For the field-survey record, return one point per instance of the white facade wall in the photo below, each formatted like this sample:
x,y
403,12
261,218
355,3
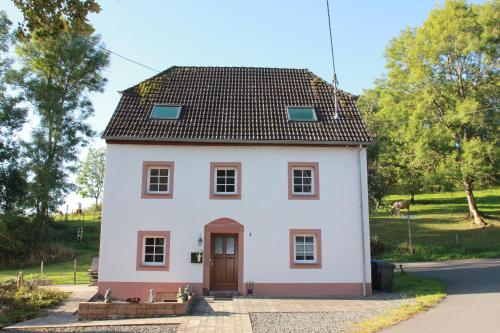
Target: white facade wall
x,y
264,209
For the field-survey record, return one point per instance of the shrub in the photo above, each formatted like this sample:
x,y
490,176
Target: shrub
x,y
25,241
25,303
376,246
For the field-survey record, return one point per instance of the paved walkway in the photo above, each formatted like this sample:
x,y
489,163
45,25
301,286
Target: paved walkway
x,y
473,302
211,315
65,313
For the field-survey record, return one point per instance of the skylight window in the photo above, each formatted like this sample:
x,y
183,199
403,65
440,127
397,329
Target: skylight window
x,y
302,114
166,112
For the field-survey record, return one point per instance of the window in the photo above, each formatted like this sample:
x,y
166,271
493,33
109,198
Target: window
x,y
153,251
166,112
225,180
157,179
303,180
302,114
305,248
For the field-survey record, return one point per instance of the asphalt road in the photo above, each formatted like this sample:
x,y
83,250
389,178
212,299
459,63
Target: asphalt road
x,y
473,301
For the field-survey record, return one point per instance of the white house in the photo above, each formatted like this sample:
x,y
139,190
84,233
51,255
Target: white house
x,y
230,179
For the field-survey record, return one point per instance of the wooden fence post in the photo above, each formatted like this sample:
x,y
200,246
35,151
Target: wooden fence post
x,y
74,271
41,270
409,232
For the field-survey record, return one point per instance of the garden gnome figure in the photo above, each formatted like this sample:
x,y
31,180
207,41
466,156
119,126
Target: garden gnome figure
x,y
151,296
107,296
189,291
181,295
20,280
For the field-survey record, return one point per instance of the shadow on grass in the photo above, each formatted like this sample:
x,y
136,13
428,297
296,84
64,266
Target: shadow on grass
x,y
488,204
436,239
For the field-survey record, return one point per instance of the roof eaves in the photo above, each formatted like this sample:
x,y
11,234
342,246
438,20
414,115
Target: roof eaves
x,y
256,142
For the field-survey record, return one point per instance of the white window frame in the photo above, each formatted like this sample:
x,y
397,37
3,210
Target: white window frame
x,y
148,189
144,263
315,245
313,185
236,175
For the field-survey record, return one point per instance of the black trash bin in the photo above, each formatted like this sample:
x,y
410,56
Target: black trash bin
x,y
385,276
375,274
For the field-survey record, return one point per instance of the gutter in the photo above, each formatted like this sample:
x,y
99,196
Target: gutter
x,y
127,140
362,207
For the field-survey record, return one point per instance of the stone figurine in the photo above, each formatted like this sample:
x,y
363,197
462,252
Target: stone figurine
x,y
151,296
107,296
189,291
20,280
181,295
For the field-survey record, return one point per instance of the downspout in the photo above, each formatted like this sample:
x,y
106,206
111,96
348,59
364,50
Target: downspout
x,y
362,207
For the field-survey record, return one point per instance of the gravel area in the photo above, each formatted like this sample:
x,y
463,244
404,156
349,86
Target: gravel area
x,y
98,329
307,321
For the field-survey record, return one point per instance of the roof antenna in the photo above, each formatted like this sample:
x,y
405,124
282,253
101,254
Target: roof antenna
x,y
334,79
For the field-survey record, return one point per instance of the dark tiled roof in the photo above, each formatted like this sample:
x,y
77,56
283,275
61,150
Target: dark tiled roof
x,y
236,105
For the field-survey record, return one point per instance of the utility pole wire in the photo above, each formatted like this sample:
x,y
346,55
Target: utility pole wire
x,y
335,99
128,59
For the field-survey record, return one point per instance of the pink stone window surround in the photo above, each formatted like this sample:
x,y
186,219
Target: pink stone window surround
x,y
149,165
226,178
310,173
140,264
298,264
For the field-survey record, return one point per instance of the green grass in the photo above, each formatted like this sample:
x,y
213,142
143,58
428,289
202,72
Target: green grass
x,y
427,292
62,272
441,218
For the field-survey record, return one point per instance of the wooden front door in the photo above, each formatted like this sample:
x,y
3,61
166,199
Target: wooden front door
x,y
224,262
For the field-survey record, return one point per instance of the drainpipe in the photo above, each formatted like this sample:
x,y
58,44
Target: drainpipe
x,y
362,207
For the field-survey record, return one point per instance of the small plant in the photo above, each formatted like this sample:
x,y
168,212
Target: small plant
x,y
25,303
376,246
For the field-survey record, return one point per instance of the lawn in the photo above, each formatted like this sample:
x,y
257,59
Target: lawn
x,y
440,229
427,292
62,272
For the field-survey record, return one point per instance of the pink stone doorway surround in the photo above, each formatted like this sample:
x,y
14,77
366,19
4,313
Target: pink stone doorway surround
x,y
223,226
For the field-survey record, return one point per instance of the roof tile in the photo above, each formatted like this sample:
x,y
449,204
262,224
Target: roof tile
x,y
236,104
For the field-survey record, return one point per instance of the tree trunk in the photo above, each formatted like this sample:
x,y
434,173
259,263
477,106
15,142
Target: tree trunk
x,y
95,209
412,200
474,212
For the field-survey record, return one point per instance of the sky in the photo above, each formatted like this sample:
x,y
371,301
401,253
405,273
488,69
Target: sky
x,y
253,33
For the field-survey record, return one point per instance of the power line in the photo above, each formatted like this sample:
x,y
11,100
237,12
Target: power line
x,y
128,59
333,61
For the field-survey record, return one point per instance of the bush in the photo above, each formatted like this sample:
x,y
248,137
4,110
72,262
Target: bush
x,y
376,246
25,241
25,303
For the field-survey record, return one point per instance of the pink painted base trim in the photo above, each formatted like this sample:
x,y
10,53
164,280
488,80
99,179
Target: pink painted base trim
x,y
310,289
124,290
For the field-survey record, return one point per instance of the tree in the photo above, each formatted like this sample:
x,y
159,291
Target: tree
x,y
441,97
12,118
51,18
379,173
56,77
91,175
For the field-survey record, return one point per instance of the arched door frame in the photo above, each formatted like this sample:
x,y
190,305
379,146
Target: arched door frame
x,y
223,226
